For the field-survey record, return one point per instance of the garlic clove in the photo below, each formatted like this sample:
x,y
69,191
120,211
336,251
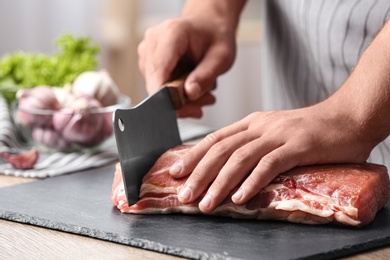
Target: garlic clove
x,y
22,161
98,85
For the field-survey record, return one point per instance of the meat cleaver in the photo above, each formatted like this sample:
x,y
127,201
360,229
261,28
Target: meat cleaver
x,y
145,132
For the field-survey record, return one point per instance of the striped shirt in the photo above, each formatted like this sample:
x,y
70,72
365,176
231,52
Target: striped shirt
x,y
311,46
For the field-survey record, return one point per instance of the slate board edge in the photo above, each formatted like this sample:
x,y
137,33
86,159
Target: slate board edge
x,y
158,247
109,236
349,250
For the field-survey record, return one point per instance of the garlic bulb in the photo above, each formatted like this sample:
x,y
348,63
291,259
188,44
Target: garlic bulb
x,y
64,95
98,85
78,123
49,138
38,98
105,131
72,116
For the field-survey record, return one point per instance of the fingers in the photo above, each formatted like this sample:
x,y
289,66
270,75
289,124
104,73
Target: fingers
x,y
240,162
194,108
187,164
268,168
262,161
216,61
247,159
233,155
249,154
215,150
207,169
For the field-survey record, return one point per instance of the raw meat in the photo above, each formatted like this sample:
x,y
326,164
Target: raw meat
x,y
349,194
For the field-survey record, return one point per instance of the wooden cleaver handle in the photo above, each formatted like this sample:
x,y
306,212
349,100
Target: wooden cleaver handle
x,y
176,84
176,91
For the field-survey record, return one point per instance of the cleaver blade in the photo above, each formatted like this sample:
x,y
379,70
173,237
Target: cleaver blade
x,y
145,132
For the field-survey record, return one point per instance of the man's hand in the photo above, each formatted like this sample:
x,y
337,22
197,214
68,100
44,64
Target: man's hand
x,y
205,35
249,154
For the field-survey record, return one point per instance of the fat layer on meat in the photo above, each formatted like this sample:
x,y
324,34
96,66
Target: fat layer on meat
x,y
348,194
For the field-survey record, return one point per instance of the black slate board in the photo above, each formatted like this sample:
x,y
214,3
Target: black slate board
x,y
80,203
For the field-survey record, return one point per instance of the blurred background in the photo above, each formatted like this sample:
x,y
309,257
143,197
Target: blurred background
x,y
118,26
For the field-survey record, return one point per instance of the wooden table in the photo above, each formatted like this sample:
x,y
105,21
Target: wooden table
x,y
22,241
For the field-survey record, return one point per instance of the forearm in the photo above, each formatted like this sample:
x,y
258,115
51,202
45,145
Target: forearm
x,y
226,11
365,96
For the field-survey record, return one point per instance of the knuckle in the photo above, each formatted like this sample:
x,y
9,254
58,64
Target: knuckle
x,y
216,187
173,24
156,71
212,138
218,191
257,180
206,77
252,184
163,70
240,156
226,53
254,115
219,148
169,22
149,33
270,162
198,179
151,69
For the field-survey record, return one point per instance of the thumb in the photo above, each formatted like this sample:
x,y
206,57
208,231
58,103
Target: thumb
x,y
203,78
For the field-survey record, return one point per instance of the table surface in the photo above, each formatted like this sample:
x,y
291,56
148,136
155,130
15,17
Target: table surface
x,y
20,241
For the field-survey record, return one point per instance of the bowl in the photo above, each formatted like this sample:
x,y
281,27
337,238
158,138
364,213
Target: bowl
x,y
67,130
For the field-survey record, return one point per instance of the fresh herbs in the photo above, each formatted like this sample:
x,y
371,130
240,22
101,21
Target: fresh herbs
x,y
27,70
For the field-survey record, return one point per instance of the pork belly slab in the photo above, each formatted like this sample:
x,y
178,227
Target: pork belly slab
x,y
348,194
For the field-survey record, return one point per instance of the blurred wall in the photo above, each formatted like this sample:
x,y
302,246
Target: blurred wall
x,y
118,26
33,25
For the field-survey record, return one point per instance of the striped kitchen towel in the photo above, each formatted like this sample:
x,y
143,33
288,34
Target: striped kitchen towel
x,y
58,163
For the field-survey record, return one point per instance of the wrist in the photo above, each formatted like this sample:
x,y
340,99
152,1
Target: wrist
x,y
354,115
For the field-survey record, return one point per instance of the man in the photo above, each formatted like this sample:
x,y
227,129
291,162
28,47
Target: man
x,y
326,77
